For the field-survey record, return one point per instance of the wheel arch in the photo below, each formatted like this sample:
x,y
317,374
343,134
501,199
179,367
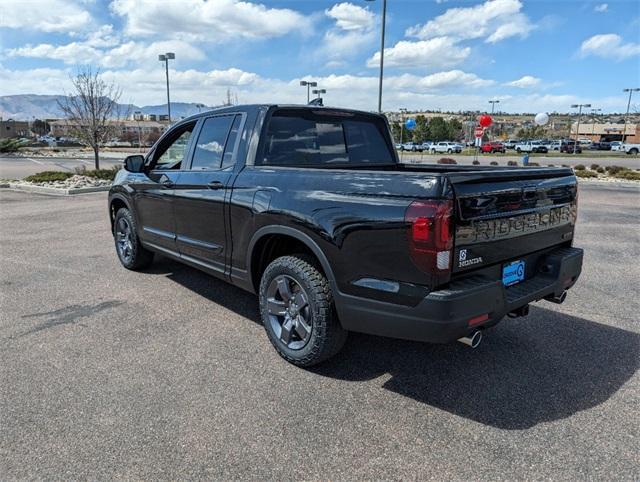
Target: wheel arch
x,y
269,234
117,202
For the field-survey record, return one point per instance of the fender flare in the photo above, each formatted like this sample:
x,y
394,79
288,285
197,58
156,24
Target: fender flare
x,y
300,236
120,197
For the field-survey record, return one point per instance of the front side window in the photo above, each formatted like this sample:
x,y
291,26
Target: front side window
x,y
211,142
172,152
308,138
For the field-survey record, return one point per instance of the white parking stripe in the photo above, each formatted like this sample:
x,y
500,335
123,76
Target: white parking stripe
x,y
33,160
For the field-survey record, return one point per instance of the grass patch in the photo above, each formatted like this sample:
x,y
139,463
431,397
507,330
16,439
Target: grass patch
x,y
49,176
586,174
628,174
107,174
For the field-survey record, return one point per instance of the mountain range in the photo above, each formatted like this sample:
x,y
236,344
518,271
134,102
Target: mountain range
x,y
30,106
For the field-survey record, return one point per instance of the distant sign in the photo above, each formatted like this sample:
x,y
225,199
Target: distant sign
x,y
410,124
479,132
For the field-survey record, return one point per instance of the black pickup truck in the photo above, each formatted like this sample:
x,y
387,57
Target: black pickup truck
x,y
309,208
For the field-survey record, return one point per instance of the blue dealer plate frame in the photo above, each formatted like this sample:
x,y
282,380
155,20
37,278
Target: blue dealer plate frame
x,y
513,273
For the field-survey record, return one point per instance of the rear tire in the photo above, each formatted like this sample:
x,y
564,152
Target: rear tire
x,y
130,251
296,307
633,151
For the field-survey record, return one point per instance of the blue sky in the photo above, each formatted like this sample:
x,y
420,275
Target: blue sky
x,y
440,54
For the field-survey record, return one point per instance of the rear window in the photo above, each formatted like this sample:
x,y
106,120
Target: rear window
x,y
309,138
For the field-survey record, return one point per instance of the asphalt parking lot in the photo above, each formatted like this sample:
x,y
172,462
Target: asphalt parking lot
x,y
167,374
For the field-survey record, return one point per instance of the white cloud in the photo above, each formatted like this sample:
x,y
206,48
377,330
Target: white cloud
x,y
494,20
352,31
525,82
351,17
213,20
444,90
609,46
78,53
603,7
434,53
45,15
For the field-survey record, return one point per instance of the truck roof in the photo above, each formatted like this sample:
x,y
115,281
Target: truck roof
x,y
255,107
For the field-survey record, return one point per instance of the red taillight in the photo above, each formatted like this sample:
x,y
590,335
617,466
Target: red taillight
x,y
429,235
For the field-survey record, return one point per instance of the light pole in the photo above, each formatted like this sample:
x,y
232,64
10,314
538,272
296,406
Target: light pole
x,y
319,91
308,84
626,116
165,58
200,106
384,21
579,107
493,105
136,115
593,122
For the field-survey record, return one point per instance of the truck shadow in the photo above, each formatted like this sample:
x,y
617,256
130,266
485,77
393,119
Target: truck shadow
x,y
527,371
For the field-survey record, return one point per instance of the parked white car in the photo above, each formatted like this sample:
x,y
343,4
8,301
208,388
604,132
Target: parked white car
x,y
630,148
616,146
448,147
531,146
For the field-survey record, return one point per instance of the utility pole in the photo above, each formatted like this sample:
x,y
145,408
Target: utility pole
x,y
626,116
384,21
579,107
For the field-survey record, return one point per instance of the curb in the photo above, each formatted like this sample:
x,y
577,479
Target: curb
x,y
54,190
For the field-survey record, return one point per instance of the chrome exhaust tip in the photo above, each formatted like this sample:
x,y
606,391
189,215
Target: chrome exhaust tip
x,y
473,340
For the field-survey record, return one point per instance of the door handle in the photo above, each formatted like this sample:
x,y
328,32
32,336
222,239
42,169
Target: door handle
x,y
215,185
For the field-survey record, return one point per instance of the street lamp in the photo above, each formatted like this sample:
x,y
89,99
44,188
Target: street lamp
x,y
384,21
308,84
165,58
493,105
200,106
626,116
579,107
593,121
137,115
319,91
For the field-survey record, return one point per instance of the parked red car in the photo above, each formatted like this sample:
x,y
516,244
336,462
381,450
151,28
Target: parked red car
x,y
493,147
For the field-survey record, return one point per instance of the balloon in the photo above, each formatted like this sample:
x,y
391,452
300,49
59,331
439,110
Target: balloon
x,y
485,120
410,124
541,119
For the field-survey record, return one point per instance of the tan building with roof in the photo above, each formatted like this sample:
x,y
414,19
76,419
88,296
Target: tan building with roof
x,y
606,132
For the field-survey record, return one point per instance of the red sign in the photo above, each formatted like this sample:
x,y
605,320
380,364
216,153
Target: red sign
x,y
479,132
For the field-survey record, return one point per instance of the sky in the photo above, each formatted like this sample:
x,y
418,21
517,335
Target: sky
x,y
532,56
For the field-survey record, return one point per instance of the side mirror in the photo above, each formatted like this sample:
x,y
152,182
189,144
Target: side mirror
x,y
134,163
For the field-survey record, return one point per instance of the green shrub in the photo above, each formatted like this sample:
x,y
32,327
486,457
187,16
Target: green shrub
x,y
594,167
613,170
12,145
49,176
533,164
628,174
493,163
579,167
586,174
446,160
108,174
600,170
476,162
550,165
512,163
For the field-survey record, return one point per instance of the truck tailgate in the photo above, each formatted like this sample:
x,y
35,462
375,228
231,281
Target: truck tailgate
x,y
502,218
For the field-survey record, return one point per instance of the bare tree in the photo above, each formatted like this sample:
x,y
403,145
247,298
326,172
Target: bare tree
x,y
92,110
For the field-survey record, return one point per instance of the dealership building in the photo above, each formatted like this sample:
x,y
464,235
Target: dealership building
x,y
606,132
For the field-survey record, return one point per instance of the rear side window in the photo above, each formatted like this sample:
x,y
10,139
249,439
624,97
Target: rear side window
x,y
307,138
211,142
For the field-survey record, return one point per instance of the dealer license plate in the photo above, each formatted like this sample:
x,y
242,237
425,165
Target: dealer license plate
x,y
513,273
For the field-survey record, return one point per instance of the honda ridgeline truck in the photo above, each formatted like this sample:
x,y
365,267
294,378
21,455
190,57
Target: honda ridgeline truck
x,y
309,208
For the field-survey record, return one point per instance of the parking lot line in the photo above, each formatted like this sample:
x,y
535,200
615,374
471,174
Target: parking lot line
x,y
33,160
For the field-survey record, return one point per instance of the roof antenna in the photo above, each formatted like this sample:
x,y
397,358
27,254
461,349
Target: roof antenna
x,y
317,101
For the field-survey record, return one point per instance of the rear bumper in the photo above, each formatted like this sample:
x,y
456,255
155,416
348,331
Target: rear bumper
x,y
443,316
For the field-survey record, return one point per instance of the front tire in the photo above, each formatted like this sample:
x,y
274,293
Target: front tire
x,y
296,307
128,247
